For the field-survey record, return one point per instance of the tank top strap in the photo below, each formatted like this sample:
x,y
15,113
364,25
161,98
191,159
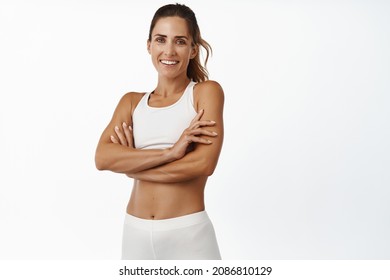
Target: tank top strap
x,y
144,100
190,94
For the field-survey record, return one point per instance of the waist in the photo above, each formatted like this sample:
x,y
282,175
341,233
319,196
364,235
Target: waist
x,y
160,201
167,224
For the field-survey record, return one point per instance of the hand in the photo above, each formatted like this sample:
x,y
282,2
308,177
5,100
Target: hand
x,y
125,137
192,134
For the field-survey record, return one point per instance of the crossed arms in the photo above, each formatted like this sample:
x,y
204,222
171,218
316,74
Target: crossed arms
x,y
116,152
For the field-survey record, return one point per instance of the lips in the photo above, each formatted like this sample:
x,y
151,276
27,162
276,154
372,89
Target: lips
x,y
169,62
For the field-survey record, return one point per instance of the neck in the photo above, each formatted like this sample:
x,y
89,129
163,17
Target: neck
x,y
166,87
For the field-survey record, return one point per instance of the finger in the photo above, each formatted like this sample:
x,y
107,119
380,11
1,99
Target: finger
x,y
131,140
121,137
198,124
195,139
200,131
197,117
114,140
128,134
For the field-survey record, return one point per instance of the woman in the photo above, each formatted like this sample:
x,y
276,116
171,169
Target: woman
x,y
169,142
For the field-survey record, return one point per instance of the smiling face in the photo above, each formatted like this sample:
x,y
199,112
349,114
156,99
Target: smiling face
x,y
171,47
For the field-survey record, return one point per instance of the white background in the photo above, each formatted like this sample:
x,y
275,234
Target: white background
x,y
304,171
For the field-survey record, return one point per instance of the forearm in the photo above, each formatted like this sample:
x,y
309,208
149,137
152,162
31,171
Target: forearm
x,y
122,159
166,174
191,166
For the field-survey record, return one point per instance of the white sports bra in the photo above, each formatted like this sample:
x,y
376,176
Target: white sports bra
x,y
161,127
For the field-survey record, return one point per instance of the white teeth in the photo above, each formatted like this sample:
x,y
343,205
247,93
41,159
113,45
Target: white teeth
x,y
169,62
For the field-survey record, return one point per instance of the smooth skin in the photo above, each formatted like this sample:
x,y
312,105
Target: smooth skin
x,y
167,182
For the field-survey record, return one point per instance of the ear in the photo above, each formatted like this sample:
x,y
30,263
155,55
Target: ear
x,y
194,51
148,46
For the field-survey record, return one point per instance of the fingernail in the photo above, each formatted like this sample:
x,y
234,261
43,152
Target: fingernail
x,y
215,133
130,127
212,121
112,137
209,141
124,124
116,128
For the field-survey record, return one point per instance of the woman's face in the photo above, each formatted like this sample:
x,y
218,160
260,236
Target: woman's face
x,y
171,47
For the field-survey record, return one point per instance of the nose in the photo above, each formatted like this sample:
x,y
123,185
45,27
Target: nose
x,y
170,49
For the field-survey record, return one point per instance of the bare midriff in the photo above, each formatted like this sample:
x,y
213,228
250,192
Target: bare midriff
x,y
150,200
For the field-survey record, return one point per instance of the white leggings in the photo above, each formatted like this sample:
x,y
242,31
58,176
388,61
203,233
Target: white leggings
x,y
189,237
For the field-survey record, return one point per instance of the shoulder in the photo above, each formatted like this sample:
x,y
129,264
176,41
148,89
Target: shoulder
x,y
208,89
128,102
209,86
131,97
208,93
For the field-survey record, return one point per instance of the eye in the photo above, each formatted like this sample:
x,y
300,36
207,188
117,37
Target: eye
x,y
181,42
160,40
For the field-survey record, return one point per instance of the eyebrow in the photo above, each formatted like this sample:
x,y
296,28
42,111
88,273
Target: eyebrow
x,y
165,36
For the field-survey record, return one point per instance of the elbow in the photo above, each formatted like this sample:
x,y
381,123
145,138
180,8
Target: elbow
x,y
208,169
202,167
100,161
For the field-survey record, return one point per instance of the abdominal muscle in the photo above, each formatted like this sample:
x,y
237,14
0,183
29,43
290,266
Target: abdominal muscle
x,y
150,200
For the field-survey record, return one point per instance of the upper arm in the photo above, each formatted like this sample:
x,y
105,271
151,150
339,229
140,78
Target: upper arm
x,y
210,97
122,113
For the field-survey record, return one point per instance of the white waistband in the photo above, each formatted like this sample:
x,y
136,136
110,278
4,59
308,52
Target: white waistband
x,y
167,224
